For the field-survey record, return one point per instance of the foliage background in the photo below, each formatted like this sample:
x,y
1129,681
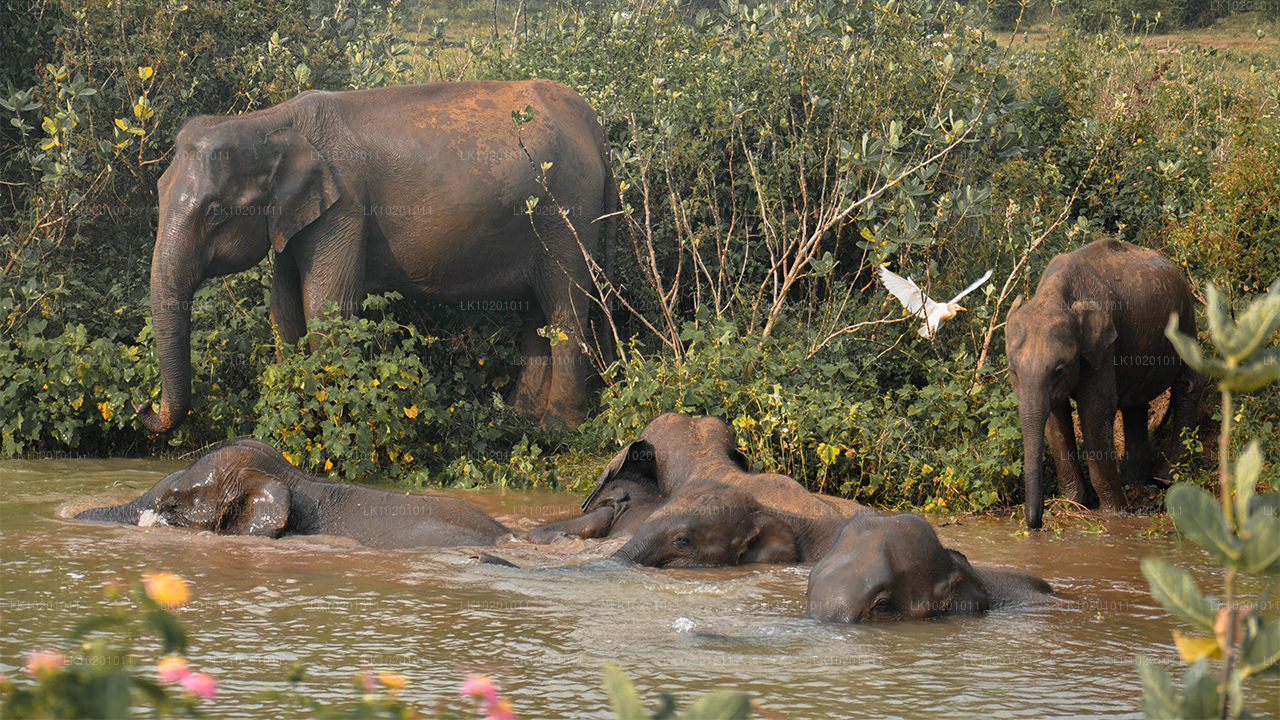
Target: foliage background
x,y
746,139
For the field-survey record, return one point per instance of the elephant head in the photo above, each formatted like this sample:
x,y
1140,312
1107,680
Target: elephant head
x,y
225,498
892,568
710,524
234,189
1047,343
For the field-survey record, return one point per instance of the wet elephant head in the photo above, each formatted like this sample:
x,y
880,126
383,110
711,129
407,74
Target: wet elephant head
x,y
885,568
209,495
708,525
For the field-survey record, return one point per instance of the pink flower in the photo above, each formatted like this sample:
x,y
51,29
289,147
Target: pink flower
x,y
367,680
480,687
500,709
40,662
202,685
172,669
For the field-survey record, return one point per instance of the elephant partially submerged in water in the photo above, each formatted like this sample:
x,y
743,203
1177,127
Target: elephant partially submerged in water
x,y
246,487
676,452
892,567
688,498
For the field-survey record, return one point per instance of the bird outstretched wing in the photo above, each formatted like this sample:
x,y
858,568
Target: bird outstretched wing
x,y
977,284
907,292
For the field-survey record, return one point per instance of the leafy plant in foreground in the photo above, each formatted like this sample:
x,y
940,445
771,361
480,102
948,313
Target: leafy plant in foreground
x,y
1241,532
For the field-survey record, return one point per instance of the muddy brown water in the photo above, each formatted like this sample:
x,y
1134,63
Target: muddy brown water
x,y
435,616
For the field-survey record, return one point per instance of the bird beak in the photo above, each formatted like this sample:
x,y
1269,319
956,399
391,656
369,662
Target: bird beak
x,y
959,309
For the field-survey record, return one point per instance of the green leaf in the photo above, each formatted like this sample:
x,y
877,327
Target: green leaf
x,y
1262,651
1260,551
1262,369
1245,477
720,705
1218,315
1199,516
1254,329
1200,696
1188,348
622,694
1176,590
1159,698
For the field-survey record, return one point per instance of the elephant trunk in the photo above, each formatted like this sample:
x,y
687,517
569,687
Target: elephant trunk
x,y
127,514
173,283
1033,420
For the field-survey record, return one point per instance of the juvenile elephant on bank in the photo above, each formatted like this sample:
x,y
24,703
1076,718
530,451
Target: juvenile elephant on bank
x,y
420,189
676,452
892,567
247,487
1094,332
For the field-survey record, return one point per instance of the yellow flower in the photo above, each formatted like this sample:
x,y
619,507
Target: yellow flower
x,y
394,681
411,412
104,407
482,361
328,465
167,589
927,468
1138,141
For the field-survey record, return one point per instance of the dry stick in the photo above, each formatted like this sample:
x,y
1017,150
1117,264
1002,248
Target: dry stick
x,y
995,323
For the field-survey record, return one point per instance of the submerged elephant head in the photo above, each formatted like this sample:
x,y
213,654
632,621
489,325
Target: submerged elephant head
x,y
1047,343
213,494
710,524
892,568
234,189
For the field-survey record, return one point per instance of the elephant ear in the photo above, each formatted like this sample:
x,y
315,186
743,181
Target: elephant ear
x,y
771,540
636,462
1096,332
302,185
258,504
961,592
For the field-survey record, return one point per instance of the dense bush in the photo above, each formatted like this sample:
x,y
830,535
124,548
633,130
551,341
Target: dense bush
x,y
770,158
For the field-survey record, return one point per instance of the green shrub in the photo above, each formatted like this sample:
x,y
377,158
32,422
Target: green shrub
x,y
946,440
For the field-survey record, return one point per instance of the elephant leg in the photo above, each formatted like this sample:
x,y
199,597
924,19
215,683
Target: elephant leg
x,y
1061,434
1096,403
286,302
332,270
1137,464
1184,397
565,401
535,377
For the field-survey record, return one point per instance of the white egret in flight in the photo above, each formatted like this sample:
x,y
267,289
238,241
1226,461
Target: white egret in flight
x,y
921,305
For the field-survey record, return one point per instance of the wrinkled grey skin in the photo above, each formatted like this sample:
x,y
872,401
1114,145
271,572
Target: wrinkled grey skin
x,y
247,488
419,189
1094,333
711,524
676,452
892,567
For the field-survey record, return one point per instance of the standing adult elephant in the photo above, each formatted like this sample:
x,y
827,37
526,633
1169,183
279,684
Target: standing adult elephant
x,y
1094,332
420,189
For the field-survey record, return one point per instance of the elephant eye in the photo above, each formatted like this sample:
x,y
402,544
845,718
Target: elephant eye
x,y
883,605
681,541
1059,369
